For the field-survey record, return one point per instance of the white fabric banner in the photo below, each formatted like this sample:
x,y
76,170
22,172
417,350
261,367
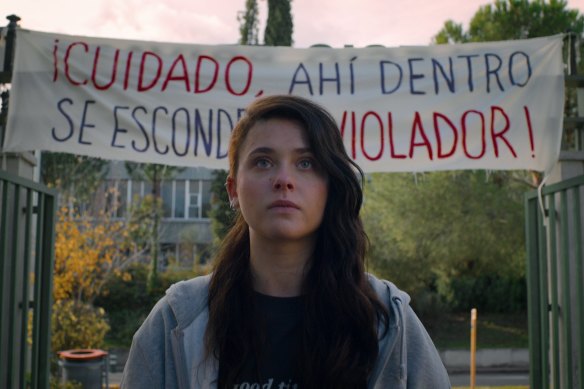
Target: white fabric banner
x,y
492,105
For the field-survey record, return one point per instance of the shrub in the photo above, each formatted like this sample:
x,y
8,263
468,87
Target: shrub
x,y
429,306
488,293
126,291
127,301
77,325
55,383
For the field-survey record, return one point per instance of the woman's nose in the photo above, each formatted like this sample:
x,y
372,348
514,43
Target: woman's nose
x,y
283,180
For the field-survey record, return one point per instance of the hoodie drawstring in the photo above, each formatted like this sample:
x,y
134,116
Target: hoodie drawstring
x,y
402,332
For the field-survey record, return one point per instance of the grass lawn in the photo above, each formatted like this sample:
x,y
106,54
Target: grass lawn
x,y
452,331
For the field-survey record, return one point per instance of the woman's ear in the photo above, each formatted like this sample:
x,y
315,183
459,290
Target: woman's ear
x,y
232,192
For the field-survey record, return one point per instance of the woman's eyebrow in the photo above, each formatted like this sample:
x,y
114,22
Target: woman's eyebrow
x,y
262,150
270,150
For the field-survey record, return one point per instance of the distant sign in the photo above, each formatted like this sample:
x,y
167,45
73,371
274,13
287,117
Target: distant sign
x,y
473,106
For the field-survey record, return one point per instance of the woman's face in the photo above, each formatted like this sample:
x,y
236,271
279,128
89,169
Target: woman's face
x,y
279,187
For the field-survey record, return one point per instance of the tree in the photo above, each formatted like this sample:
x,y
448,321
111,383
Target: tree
x,y
279,25
514,19
221,214
88,250
155,174
248,23
452,229
429,229
76,177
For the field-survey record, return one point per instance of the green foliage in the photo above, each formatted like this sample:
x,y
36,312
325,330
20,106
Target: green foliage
x,y
74,176
488,293
429,306
77,325
221,214
127,303
55,383
279,25
126,292
142,214
503,289
155,174
514,19
430,229
452,32
248,23
127,300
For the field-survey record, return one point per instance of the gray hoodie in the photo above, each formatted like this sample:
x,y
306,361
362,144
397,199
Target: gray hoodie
x,y
168,350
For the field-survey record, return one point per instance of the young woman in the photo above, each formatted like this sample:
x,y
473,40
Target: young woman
x,y
289,304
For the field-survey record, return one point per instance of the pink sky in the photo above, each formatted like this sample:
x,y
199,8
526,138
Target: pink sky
x,y
335,22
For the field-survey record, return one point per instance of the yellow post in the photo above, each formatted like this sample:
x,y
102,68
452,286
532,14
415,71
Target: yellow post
x,y
473,347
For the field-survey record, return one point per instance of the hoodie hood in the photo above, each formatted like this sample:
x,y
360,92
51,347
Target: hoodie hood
x,y
188,299
392,342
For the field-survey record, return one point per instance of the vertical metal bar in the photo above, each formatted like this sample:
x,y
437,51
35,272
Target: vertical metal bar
x,y
25,287
473,347
566,290
12,315
533,291
552,230
544,307
46,281
10,42
37,291
579,287
3,257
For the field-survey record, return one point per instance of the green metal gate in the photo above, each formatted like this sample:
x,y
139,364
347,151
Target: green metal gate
x,y
27,220
555,260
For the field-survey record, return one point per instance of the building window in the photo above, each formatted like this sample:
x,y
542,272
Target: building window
x,y
167,198
181,199
194,199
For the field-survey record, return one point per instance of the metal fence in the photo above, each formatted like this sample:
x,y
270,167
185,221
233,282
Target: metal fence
x,y
27,220
554,239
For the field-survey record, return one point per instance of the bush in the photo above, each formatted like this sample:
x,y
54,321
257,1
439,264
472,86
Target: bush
x,y
127,301
488,293
77,325
55,383
429,306
127,291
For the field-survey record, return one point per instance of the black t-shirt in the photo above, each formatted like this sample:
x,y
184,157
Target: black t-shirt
x,y
277,365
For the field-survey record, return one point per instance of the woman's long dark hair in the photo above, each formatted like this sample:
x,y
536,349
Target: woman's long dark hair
x,y
342,312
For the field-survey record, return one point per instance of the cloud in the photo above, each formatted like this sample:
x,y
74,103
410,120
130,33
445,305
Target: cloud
x,y
176,21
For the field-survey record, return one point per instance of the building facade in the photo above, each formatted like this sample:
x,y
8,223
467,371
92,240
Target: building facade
x,y
185,228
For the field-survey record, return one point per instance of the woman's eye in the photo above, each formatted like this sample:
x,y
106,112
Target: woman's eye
x,y
305,164
262,163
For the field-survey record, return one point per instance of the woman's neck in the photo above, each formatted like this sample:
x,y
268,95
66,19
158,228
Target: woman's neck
x,y
278,269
